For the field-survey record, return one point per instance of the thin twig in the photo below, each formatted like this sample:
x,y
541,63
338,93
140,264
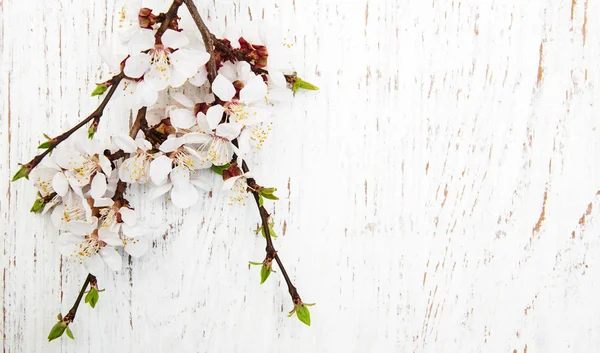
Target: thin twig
x,y
270,249
169,17
115,80
90,279
207,37
138,123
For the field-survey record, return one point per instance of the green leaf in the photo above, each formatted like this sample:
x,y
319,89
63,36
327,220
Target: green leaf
x,y
270,196
265,271
255,263
99,90
271,232
301,84
92,297
267,193
220,168
69,333
303,314
261,200
38,206
22,173
57,330
44,145
91,131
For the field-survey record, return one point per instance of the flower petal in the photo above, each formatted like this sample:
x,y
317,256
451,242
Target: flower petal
x,y
184,197
196,138
200,77
180,177
124,142
60,184
214,115
136,247
223,88
171,144
229,131
103,202
145,95
68,158
80,227
277,79
111,257
254,90
182,99
159,169
105,164
158,79
141,41
98,186
128,216
137,65
182,118
109,237
160,190
177,78
94,264
188,61
174,39
203,123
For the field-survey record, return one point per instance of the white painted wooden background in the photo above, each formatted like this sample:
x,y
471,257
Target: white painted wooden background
x,y
439,194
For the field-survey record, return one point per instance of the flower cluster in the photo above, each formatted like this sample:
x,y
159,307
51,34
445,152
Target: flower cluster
x,y
174,148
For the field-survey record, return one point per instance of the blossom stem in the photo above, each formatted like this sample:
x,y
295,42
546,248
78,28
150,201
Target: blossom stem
x,y
90,279
207,37
114,83
270,249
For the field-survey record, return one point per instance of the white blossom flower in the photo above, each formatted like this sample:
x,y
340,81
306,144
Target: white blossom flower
x,y
177,171
238,186
136,93
50,181
83,167
73,209
135,168
91,247
133,236
166,62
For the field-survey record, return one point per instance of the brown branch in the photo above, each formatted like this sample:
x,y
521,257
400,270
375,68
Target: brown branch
x,y
114,83
168,18
207,38
90,279
270,249
140,120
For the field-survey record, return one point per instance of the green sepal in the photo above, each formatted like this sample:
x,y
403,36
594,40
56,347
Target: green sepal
x,y
38,205
22,173
91,131
69,333
99,90
261,200
45,145
92,297
301,84
255,263
271,232
265,271
303,314
220,168
267,193
57,330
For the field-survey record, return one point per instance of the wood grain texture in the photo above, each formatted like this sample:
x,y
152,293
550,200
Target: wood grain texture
x,y
439,194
